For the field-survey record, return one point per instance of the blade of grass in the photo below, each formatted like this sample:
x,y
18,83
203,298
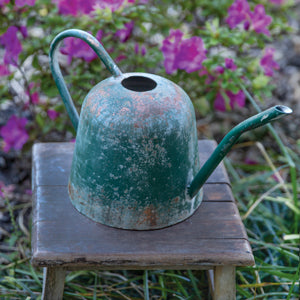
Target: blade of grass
x,y
162,285
194,284
283,148
259,200
271,246
296,279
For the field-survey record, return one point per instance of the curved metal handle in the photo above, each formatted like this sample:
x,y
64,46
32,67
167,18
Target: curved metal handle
x,y
57,75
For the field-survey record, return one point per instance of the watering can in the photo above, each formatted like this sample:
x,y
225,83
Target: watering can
x,y
136,163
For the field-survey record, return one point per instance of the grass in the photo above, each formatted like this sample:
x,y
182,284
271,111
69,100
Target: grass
x,y
267,194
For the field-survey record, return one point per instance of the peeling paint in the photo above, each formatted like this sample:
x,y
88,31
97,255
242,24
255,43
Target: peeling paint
x,y
135,154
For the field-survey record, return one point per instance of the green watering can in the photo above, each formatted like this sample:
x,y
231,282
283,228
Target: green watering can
x,y
136,163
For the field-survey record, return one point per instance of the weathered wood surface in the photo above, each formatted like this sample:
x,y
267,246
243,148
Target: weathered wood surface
x,y
213,236
224,283
53,283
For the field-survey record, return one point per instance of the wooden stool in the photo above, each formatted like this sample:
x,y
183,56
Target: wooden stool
x,y
212,239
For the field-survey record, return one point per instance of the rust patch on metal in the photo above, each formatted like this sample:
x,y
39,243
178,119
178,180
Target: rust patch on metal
x,y
175,200
149,216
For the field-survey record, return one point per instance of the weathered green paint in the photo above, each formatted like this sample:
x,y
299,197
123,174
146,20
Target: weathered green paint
x,y
135,154
230,139
58,78
136,151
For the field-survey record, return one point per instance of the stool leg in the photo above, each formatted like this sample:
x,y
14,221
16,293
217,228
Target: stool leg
x,y
224,283
53,284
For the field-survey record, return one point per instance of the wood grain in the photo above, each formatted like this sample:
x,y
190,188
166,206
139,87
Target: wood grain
x,y
61,236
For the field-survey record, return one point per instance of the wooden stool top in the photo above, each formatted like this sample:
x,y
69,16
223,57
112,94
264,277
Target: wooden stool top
x,y
61,236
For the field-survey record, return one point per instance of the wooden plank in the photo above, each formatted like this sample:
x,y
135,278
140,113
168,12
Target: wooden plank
x,y
211,220
63,233
51,163
208,254
218,192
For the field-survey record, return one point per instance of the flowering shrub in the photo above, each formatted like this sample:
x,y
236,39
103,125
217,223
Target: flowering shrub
x,y
204,46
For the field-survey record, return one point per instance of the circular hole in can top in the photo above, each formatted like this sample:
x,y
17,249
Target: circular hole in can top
x,y
139,83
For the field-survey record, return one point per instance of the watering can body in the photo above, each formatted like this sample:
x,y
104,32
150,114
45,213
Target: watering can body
x,y
135,163
135,153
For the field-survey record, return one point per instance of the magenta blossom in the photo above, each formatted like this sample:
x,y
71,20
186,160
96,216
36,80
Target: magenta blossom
x,y
182,54
267,62
238,98
74,7
4,70
34,97
139,50
239,13
14,133
229,64
260,21
138,1
21,3
52,114
12,45
74,47
277,2
219,69
3,2
5,189
124,33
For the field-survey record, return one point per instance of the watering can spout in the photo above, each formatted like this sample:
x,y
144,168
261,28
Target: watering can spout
x,y
230,139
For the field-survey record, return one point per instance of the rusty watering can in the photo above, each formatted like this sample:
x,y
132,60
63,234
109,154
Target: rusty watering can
x,y
135,163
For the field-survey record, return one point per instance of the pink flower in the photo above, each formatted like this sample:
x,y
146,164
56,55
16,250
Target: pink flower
x,y
5,189
21,3
219,69
170,48
138,1
4,70
124,33
260,21
277,2
229,64
23,31
139,50
14,133
120,58
191,54
74,47
3,2
33,97
52,114
238,98
74,7
239,13
182,54
12,45
267,62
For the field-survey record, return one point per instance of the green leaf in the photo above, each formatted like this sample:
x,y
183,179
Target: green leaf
x,y
260,81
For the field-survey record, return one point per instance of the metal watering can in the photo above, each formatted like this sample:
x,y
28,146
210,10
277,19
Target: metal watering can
x,y
135,163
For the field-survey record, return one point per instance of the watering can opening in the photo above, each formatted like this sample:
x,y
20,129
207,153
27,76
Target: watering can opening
x,y
139,83
283,109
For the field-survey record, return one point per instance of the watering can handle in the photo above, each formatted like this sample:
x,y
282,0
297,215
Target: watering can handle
x,y
56,72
